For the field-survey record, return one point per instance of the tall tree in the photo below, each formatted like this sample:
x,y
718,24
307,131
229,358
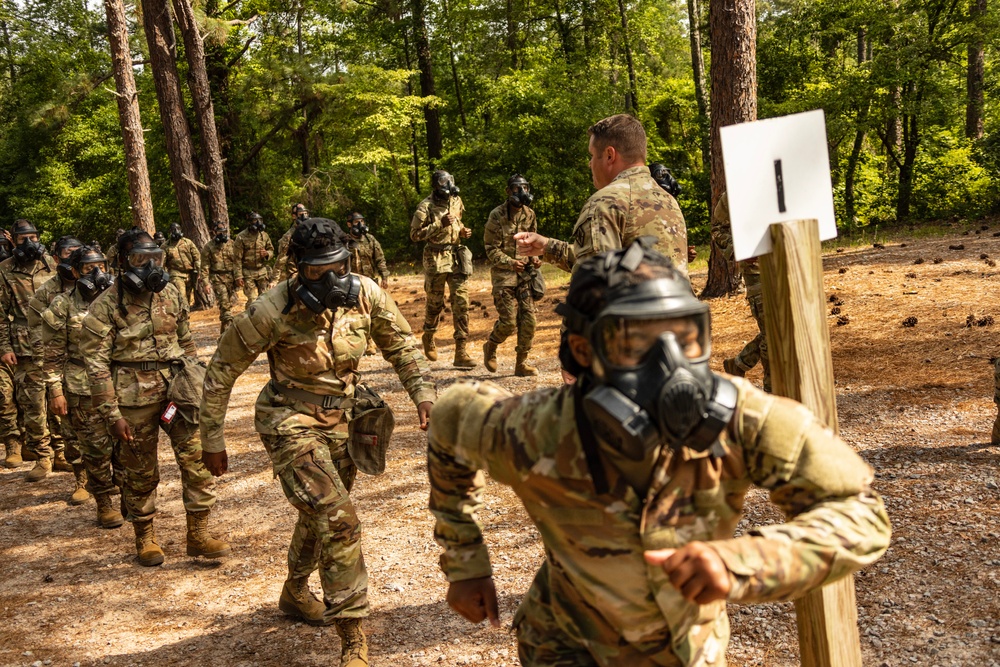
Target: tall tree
x,y
633,86
432,117
128,114
698,73
159,29
976,70
733,33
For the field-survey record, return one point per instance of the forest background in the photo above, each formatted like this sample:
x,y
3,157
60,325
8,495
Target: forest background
x,y
348,105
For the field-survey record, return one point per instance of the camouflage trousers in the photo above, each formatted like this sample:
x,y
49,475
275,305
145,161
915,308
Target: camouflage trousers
x,y
756,350
327,535
545,638
141,470
515,310
225,296
8,405
458,285
98,452
255,283
42,434
182,281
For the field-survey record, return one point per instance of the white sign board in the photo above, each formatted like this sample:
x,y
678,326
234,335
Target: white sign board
x,y
777,169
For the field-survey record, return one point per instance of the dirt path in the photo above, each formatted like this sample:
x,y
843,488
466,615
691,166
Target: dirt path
x,y
915,401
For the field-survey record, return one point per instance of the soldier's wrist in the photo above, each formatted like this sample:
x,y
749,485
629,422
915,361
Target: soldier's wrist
x,y
55,390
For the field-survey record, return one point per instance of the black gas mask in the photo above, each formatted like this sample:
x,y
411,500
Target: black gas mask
x,y
221,236
175,233
65,266
4,251
256,223
92,284
519,192
359,229
28,251
144,269
664,178
324,263
444,185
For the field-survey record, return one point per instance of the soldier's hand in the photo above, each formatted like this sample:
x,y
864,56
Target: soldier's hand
x,y
10,359
475,600
530,244
696,570
692,253
58,406
465,232
518,265
216,463
448,218
384,283
424,413
239,282
121,431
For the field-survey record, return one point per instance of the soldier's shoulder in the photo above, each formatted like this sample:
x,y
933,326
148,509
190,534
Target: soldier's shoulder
x,y
425,205
105,303
61,304
497,213
6,266
271,304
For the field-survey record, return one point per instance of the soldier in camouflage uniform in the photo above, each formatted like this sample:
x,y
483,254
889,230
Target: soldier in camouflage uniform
x,y
367,258
756,349
438,221
285,264
10,431
112,253
218,266
511,282
183,262
69,387
628,203
253,250
20,277
638,526
314,329
136,339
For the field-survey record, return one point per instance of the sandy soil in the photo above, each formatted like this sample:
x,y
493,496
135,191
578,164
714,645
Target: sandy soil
x,y
914,401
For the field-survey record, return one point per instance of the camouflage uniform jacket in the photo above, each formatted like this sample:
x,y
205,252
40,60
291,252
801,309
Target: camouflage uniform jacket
x,y
722,234
218,261
246,249
62,337
43,298
154,328
428,225
17,286
317,353
285,262
182,256
501,249
369,260
632,205
594,543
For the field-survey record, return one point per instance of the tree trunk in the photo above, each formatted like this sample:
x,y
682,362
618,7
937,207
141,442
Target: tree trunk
x,y
511,34
11,66
194,49
700,93
432,118
859,141
632,104
975,74
733,33
159,29
911,140
128,114
413,128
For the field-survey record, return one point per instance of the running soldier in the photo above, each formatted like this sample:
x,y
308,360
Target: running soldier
x,y
10,431
314,328
511,275
183,262
253,251
636,477
218,266
136,342
438,221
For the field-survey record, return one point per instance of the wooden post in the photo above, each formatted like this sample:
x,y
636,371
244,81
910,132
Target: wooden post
x,y
798,343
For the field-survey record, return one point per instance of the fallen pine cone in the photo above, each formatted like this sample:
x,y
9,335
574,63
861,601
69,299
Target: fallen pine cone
x,y
835,310
878,246
918,260
843,269
990,262
938,260
957,246
985,321
984,256
842,320
910,322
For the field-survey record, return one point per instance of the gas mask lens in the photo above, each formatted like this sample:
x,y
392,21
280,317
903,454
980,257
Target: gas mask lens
x,y
144,258
625,342
315,272
87,268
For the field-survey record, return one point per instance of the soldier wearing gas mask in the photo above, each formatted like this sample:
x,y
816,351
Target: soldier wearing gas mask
x,y
511,275
218,267
367,257
69,387
314,328
21,276
635,477
285,264
438,222
112,253
182,261
253,250
143,371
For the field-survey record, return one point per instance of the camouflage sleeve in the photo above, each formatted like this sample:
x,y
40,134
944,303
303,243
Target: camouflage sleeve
x,y
420,228
268,246
238,249
33,313
5,308
195,257
379,259
722,231
250,334
54,342
184,337
392,333
205,262
836,525
461,427
559,253
493,242
96,345
457,211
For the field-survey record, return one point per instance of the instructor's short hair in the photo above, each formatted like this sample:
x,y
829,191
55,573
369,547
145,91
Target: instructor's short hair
x,y
622,132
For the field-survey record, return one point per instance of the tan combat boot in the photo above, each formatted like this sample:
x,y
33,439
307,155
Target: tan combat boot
x,y
429,350
490,356
199,542
107,515
146,548
13,459
353,644
80,494
60,464
28,454
462,358
522,368
41,470
299,602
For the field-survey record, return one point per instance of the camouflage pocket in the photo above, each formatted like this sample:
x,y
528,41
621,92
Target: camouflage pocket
x,y
309,483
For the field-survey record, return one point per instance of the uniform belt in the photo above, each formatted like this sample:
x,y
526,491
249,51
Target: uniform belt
x,y
77,362
221,273
325,401
146,365
438,247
